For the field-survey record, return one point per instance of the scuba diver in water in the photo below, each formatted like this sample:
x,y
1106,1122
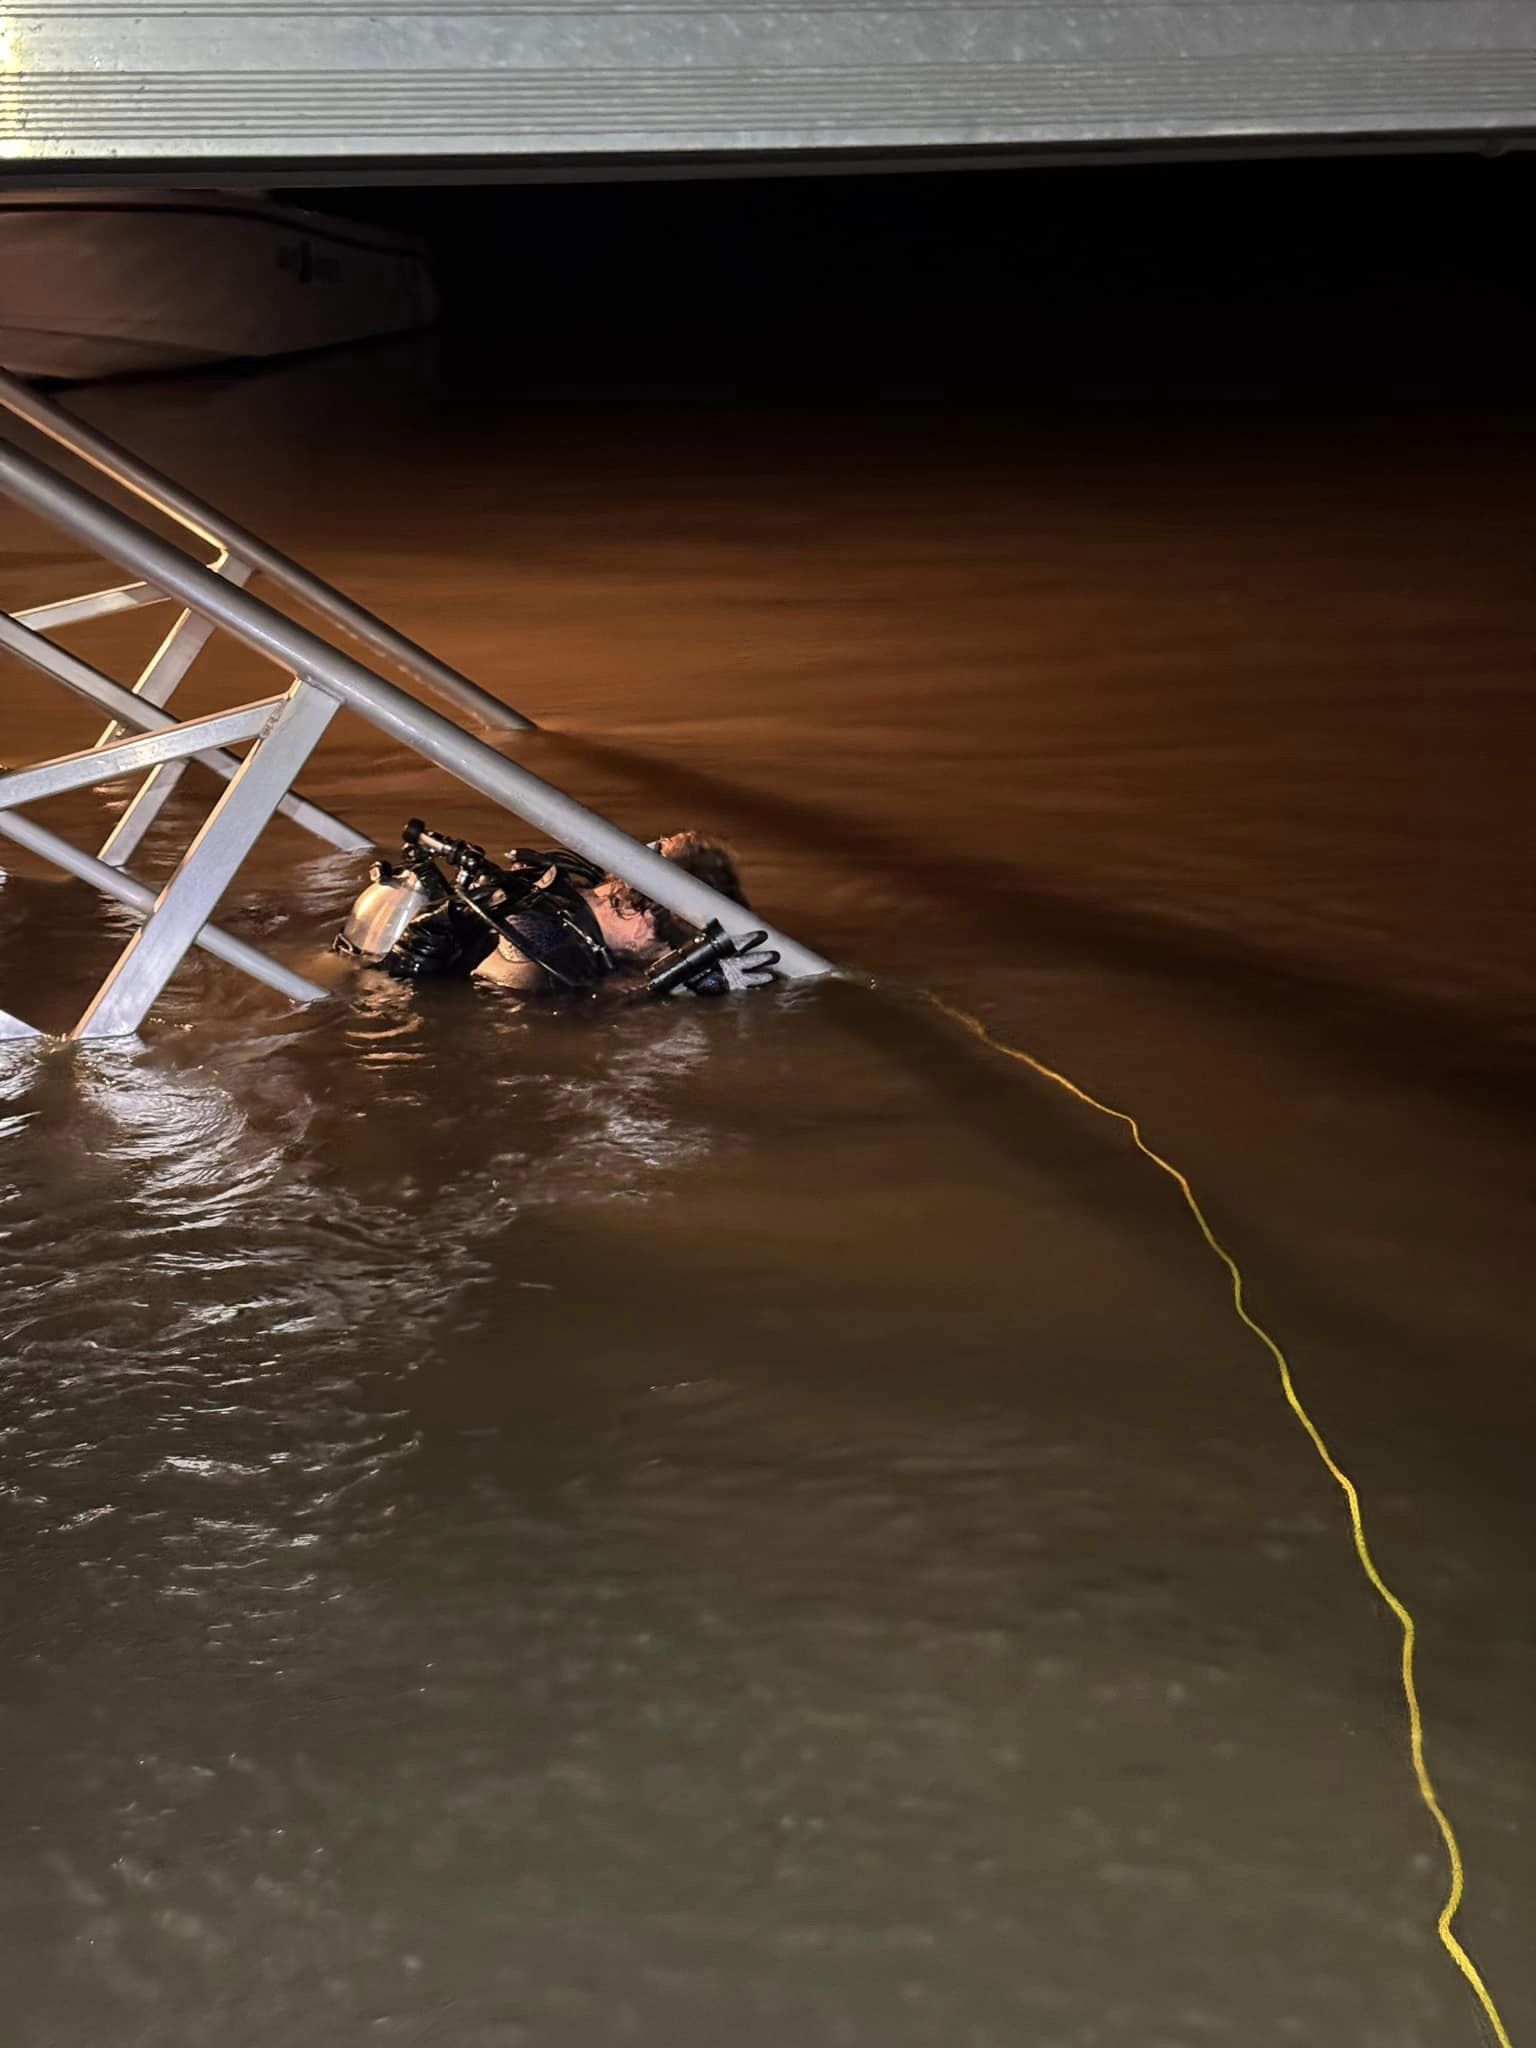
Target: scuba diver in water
x,y
548,922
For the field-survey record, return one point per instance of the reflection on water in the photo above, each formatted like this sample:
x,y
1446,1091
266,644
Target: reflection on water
x,y
748,1521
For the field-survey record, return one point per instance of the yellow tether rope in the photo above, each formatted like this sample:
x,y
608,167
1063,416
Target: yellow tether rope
x,y
1346,1485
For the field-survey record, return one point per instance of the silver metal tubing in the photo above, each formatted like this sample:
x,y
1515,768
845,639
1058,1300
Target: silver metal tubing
x,y
223,945
209,864
153,793
124,757
211,526
436,738
129,710
96,604
158,683
189,635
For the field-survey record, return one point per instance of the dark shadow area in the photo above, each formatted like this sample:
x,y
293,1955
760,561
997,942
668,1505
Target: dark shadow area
x,y
1482,1060
1128,290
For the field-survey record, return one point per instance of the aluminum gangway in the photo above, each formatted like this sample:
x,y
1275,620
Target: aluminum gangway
x,y
279,731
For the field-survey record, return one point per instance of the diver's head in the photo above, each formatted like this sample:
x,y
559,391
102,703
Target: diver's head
x,y
633,923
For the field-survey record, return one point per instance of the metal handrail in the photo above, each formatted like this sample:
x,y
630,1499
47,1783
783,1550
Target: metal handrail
x,y
293,647
220,532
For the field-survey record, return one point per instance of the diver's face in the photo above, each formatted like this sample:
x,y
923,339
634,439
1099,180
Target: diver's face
x,y
624,931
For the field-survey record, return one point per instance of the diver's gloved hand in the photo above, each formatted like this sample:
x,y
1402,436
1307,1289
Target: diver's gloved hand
x,y
752,965
715,963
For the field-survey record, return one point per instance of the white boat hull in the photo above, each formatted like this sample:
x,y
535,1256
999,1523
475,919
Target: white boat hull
x,y
103,284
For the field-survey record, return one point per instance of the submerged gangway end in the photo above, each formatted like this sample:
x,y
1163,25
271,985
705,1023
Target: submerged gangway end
x,y
279,732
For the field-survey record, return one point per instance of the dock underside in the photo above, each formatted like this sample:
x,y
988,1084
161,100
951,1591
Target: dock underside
x,y
102,88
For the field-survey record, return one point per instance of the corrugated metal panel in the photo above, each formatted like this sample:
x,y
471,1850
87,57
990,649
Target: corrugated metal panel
x,y
354,80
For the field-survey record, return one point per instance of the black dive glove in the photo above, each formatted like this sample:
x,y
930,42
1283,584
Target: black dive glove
x,y
448,940
714,963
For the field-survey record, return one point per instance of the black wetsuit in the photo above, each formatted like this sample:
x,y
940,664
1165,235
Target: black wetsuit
x,y
566,944
536,903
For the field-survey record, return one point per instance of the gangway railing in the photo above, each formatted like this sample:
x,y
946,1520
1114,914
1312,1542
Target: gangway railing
x,y
239,554
281,731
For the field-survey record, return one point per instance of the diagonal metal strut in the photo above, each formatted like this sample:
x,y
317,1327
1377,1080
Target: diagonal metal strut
x,y
95,604
144,750
79,676
133,895
209,864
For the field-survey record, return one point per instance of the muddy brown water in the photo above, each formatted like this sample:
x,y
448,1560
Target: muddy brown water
x,y
755,1523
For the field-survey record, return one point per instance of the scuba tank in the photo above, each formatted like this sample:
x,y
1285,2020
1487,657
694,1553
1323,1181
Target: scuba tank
x,y
393,900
